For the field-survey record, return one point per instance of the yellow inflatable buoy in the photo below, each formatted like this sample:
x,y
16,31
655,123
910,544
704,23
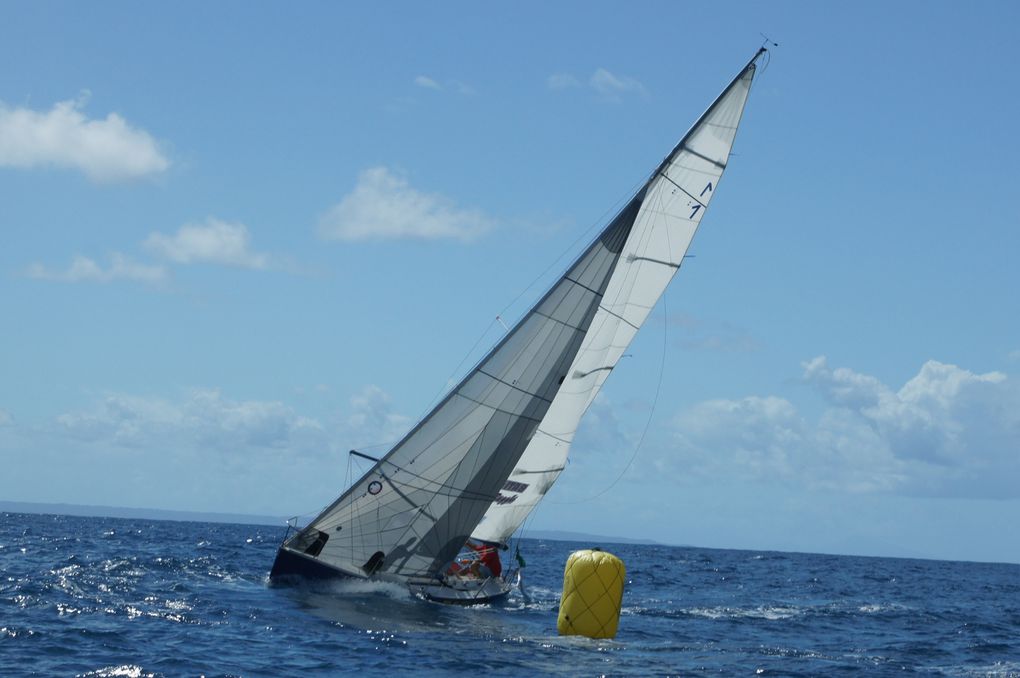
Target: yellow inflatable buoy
x,y
592,594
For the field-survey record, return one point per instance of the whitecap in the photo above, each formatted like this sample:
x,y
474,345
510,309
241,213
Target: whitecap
x,y
124,671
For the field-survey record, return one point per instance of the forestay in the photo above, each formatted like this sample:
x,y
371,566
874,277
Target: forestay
x,y
669,208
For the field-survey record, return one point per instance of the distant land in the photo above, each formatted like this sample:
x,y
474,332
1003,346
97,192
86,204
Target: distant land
x,y
138,513
248,519
590,539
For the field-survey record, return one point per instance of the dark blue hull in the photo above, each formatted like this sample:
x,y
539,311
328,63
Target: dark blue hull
x,y
291,565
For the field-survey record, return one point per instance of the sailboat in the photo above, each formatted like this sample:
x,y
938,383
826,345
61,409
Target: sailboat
x,y
481,460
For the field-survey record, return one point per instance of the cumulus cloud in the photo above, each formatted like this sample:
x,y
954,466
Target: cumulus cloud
x,y
84,269
383,206
372,419
947,432
205,418
106,150
755,432
201,450
942,416
215,242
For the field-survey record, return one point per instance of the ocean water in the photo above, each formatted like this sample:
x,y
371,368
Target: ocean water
x,y
120,597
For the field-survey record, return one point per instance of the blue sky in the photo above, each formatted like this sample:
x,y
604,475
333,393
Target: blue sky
x,y
237,240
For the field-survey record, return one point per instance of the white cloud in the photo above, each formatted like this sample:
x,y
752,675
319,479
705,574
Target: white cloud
x,y
946,432
609,85
562,81
372,420
383,206
106,150
5,418
932,418
202,450
205,419
427,82
751,436
215,242
84,269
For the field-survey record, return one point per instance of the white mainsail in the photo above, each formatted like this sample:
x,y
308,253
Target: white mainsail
x,y
671,205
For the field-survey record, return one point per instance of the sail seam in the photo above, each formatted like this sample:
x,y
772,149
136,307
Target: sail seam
x,y
405,497
501,410
581,284
558,469
617,315
554,437
557,320
445,490
513,386
718,164
442,485
689,195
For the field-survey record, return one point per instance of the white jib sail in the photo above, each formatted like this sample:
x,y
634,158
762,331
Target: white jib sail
x,y
672,204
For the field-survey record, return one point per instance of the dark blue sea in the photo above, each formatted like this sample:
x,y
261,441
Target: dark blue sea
x,y
120,597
